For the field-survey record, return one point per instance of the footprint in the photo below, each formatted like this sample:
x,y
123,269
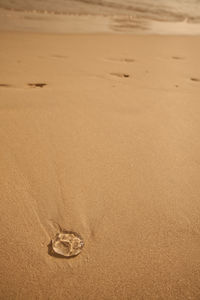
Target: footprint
x,y
37,84
121,75
126,60
59,56
195,79
177,57
5,85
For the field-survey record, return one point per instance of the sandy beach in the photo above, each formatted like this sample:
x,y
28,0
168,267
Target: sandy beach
x,y
100,134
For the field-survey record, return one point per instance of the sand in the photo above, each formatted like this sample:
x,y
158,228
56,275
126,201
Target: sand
x,y
32,21
108,148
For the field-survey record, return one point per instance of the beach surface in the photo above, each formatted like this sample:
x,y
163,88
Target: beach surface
x,y
100,134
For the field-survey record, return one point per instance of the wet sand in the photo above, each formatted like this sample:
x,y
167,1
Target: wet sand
x,y
45,22
100,134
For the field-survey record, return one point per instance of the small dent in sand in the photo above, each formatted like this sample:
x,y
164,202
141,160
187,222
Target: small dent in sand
x,y
128,60
195,79
125,75
59,56
177,57
5,85
37,84
121,60
66,244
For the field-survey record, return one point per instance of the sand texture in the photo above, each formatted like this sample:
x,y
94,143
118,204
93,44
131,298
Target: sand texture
x,y
32,21
101,135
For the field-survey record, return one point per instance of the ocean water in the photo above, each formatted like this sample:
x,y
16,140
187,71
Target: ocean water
x,y
163,10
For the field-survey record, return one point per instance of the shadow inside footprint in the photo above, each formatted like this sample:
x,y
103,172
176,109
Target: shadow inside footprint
x,y
5,85
59,56
195,79
128,60
121,60
177,57
121,75
37,84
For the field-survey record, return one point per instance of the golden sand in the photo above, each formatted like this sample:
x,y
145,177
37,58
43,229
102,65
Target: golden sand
x,y
100,134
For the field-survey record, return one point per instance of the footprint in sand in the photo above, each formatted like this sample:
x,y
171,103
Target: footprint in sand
x,y
121,75
121,60
128,60
177,57
66,244
5,85
195,79
37,84
59,56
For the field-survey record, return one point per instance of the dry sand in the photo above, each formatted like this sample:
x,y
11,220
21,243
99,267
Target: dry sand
x,y
109,148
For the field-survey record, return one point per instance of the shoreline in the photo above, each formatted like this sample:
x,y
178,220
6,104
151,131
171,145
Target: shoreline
x,y
84,23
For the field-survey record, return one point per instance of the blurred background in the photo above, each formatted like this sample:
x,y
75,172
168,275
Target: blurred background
x,y
155,9
122,16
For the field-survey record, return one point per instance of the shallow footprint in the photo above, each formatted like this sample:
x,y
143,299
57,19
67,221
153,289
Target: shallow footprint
x,y
66,243
121,75
195,79
37,84
126,60
59,56
5,85
177,57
